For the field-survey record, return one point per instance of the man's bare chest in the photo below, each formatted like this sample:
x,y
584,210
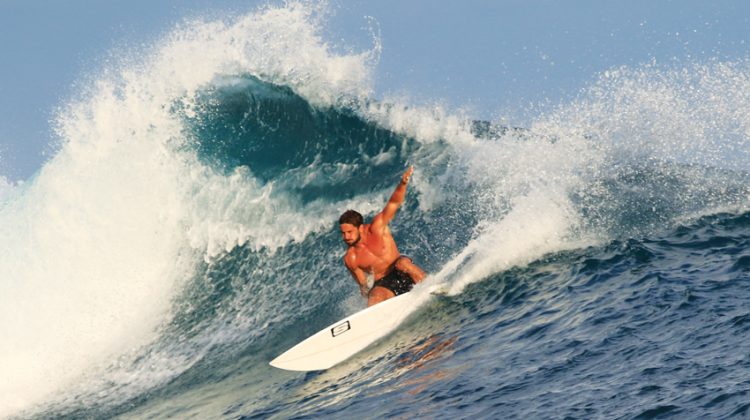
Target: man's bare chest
x,y
366,258
374,255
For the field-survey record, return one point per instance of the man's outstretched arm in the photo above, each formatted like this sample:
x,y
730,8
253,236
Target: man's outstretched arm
x,y
397,198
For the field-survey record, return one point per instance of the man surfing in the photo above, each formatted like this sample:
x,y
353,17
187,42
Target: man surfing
x,y
373,251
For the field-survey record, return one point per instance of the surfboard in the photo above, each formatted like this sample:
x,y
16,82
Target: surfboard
x,y
347,337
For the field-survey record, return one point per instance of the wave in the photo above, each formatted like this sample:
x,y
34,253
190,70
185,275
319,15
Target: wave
x,y
188,216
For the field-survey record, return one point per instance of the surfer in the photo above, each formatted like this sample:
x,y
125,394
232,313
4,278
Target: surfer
x,y
373,251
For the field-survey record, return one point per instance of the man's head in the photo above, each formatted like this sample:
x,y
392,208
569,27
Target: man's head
x,y
351,223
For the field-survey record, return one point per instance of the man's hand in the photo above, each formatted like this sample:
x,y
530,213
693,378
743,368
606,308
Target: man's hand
x,y
381,221
405,177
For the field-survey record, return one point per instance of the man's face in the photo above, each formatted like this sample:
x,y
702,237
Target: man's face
x,y
350,234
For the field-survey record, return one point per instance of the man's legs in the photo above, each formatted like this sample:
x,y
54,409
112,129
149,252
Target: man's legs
x,y
406,265
378,294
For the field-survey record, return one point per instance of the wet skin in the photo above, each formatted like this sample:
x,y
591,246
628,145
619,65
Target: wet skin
x,y
373,251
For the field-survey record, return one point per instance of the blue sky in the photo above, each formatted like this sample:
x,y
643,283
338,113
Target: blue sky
x,y
494,58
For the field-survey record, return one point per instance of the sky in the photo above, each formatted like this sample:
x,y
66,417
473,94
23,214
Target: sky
x,y
496,60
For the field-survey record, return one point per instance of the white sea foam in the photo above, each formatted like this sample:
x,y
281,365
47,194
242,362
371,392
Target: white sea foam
x,y
99,241
666,126
6,187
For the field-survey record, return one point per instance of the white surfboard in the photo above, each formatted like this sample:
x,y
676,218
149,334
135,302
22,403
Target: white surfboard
x,y
345,338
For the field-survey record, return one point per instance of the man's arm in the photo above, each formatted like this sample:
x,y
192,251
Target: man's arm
x,y
357,273
397,198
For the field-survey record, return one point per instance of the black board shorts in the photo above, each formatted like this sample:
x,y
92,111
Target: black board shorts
x,y
396,281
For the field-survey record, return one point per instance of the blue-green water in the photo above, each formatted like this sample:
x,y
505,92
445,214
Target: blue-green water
x,y
184,234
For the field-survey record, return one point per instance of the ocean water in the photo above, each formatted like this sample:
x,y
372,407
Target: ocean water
x,y
184,233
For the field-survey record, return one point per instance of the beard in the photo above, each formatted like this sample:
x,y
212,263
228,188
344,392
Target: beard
x,y
355,242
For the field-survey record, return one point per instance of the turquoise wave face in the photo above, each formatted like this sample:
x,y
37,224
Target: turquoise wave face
x,y
316,153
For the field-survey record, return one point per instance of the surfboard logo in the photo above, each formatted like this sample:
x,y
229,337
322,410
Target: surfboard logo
x,y
341,328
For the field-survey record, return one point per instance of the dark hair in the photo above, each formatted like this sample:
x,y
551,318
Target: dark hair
x,y
351,217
